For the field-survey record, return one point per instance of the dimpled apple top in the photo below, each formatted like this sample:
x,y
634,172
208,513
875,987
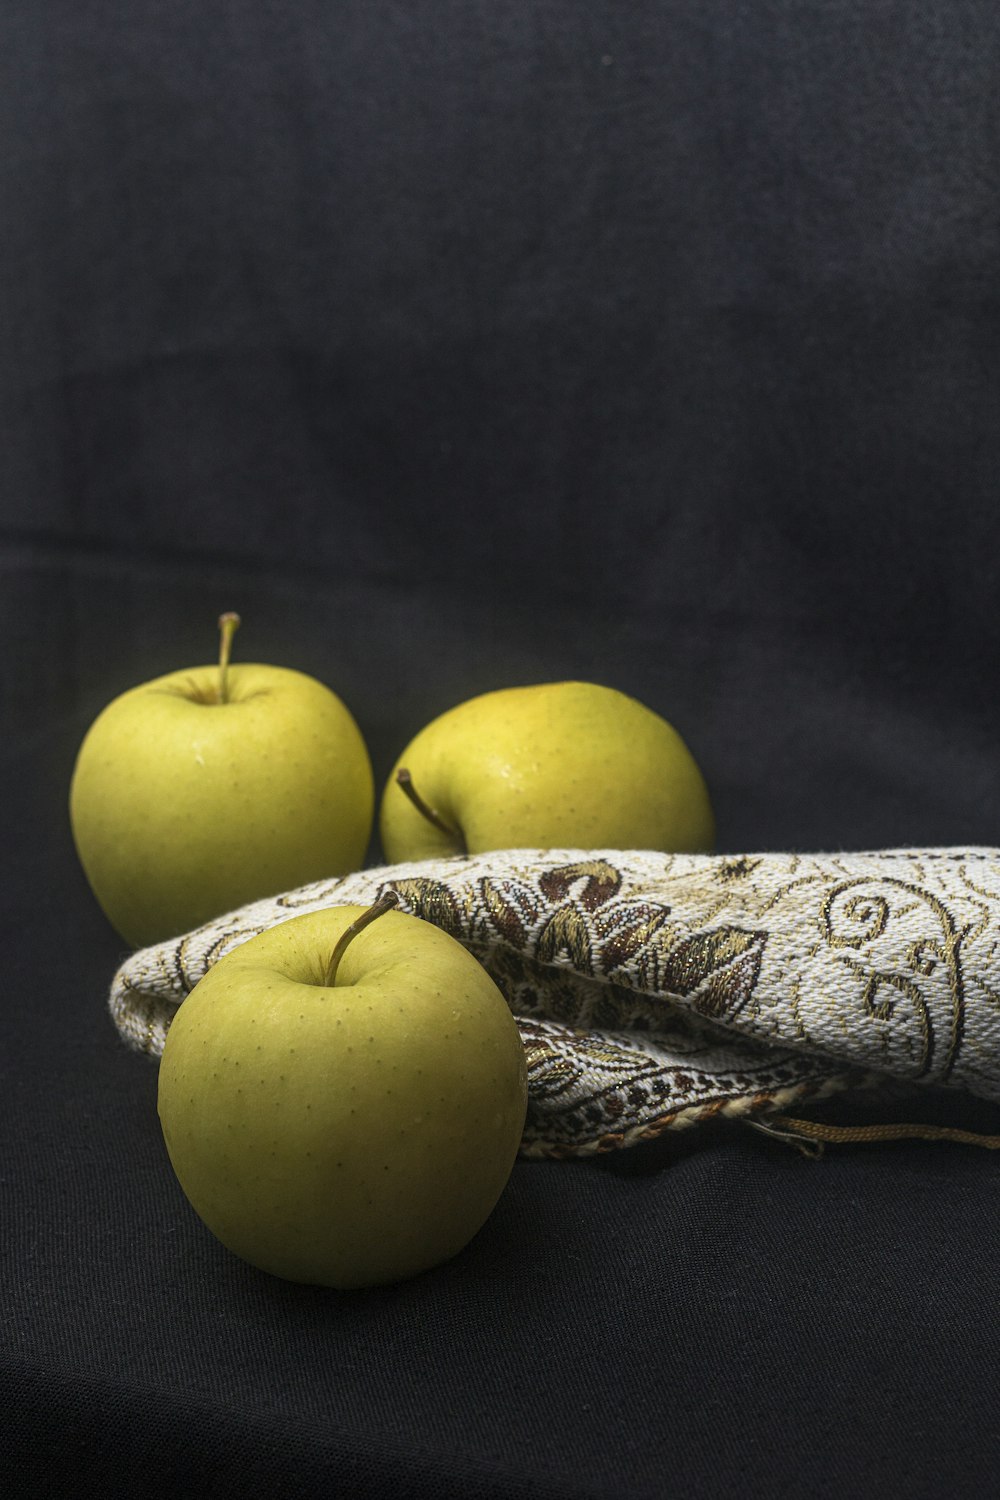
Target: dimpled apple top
x,y
346,1134
184,807
557,765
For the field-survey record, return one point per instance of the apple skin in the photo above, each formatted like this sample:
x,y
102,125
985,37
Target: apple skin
x,y
563,765
345,1136
183,807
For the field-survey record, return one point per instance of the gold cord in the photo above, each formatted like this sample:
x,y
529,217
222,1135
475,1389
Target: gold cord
x,y
810,1136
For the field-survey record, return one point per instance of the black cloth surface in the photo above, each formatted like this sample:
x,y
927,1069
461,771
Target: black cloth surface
x,y
459,347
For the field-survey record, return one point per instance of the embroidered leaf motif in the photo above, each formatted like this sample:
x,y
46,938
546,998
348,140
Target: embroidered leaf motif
x,y
566,932
550,1074
602,882
433,900
512,907
737,868
625,930
719,968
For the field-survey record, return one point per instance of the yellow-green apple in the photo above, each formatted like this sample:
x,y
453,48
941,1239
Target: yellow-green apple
x,y
560,765
342,1099
206,788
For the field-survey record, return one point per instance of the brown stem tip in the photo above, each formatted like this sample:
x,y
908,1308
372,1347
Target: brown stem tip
x,y
229,623
405,781
384,903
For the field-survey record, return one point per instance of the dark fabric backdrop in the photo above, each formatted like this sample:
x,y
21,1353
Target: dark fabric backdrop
x,y
456,347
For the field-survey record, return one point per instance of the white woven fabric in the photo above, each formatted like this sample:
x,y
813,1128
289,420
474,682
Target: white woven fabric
x,y
654,991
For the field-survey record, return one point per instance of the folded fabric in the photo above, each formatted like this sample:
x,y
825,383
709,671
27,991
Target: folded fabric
x,y
656,991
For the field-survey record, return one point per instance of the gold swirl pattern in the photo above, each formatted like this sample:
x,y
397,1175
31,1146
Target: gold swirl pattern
x,y
878,928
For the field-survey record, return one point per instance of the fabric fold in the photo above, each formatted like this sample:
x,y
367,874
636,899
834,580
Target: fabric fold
x,y
658,991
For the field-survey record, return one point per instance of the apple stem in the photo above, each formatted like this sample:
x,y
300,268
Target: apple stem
x,y
229,623
384,903
405,781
